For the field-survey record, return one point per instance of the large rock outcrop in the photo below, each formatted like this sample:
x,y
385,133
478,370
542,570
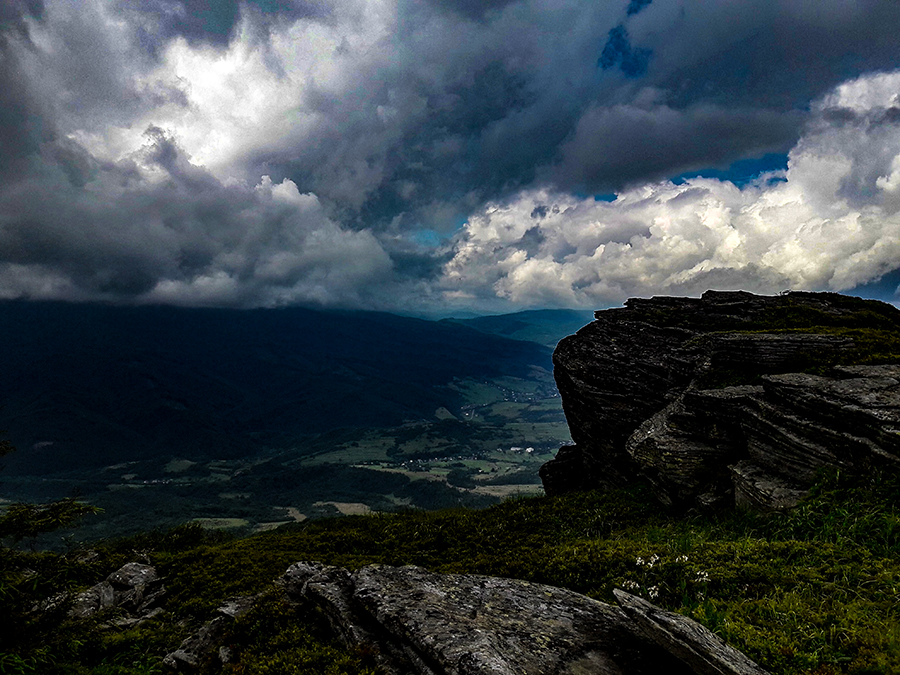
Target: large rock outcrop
x,y
643,392
421,623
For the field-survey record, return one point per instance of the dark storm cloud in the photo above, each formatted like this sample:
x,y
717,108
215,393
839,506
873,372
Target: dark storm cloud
x,y
376,119
730,83
781,55
13,13
24,124
140,230
165,153
478,109
477,125
73,72
636,6
121,246
472,9
21,127
618,52
206,21
656,142
418,264
481,110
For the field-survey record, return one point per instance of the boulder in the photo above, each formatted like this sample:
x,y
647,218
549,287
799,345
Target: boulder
x,y
134,588
95,599
694,644
755,488
422,623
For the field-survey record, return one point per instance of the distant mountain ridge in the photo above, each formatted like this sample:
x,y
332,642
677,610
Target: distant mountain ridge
x,y
544,326
91,385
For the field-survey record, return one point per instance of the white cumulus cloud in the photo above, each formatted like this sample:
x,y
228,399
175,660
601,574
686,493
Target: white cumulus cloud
x,y
830,221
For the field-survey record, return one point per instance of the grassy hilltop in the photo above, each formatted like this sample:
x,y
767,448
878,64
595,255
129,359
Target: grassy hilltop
x,y
811,591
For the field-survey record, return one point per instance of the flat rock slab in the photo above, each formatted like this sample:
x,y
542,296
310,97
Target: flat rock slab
x,y
451,624
754,488
475,624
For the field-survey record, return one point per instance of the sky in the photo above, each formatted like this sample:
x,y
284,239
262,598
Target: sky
x,y
437,156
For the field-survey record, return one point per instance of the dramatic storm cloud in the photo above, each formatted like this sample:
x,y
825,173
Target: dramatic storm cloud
x,y
419,155
830,221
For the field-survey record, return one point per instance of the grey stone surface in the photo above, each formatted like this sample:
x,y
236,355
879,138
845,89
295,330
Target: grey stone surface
x,y
421,623
756,489
98,597
134,588
681,452
133,574
332,589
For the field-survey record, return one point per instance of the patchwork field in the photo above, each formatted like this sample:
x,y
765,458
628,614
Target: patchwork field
x,y
475,454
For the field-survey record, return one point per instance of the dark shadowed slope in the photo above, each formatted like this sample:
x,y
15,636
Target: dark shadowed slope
x,y
90,385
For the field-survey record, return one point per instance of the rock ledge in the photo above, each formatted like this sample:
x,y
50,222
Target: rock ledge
x,y
641,390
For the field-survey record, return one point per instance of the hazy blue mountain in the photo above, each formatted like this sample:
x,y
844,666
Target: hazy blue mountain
x,y
91,385
544,326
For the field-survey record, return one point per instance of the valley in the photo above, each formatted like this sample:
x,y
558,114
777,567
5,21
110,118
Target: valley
x,y
485,452
247,421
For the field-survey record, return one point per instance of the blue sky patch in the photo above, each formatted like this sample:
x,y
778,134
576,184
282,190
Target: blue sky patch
x,y
742,171
884,288
636,6
619,52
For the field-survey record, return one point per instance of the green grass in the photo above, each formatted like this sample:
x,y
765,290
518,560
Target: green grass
x,y
813,591
795,310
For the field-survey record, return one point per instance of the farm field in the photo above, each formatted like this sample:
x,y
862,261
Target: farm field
x,y
473,455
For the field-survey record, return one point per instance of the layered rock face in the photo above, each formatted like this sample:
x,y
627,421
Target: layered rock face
x,y
642,389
